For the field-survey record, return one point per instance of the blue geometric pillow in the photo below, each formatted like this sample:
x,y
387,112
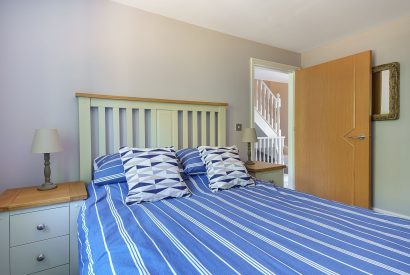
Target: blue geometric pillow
x,y
191,161
108,169
152,174
224,167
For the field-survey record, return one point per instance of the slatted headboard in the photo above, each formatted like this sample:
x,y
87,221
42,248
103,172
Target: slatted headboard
x,y
108,122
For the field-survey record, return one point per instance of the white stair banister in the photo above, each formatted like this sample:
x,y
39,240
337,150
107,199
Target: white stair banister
x,y
269,149
267,116
268,105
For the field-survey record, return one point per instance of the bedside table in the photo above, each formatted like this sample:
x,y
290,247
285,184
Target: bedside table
x,y
267,171
39,229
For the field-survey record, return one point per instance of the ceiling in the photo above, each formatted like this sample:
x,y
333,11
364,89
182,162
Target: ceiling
x,y
297,25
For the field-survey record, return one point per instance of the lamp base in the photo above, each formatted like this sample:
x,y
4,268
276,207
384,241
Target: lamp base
x,y
249,162
46,186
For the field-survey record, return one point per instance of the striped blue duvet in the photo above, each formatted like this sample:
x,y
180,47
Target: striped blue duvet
x,y
249,230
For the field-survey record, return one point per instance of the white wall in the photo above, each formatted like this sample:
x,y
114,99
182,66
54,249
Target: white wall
x,y
391,139
50,49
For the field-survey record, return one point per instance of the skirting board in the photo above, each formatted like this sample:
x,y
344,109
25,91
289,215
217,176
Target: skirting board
x,y
391,213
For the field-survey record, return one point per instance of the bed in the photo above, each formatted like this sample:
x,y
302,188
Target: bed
x,y
255,229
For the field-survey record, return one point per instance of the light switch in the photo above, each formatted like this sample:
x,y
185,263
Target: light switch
x,y
238,126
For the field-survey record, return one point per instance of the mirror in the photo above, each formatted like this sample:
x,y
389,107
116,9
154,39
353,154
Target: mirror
x,y
385,89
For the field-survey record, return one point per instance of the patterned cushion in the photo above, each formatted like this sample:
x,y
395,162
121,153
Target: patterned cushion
x,y
152,174
191,161
224,167
108,169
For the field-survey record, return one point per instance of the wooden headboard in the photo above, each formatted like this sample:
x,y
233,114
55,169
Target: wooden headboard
x,y
108,122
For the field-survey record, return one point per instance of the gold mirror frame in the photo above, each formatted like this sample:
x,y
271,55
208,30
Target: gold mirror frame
x,y
394,88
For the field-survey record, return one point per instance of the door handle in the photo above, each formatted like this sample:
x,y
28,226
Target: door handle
x,y
359,137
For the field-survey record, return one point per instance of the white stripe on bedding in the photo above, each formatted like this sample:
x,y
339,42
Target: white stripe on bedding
x,y
87,242
204,245
229,193
245,240
339,249
331,227
260,267
277,245
318,232
346,210
132,247
146,234
334,217
102,233
185,251
267,240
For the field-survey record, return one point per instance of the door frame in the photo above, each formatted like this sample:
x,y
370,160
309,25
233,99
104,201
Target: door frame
x,y
255,62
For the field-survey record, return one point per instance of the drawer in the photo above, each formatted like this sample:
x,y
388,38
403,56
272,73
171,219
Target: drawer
x,y
28,227
59,270
275,176
24,258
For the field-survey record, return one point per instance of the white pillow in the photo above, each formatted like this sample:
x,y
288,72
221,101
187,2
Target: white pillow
x,y
224,167
152,174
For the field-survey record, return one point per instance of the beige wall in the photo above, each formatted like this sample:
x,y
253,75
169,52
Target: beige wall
x,y
282,90
391,147
50,49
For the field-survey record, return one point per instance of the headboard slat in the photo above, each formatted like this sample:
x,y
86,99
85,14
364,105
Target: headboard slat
x,y
101,131
212,126
141,128
84,117
116,126
130,127
154,139
185,129
194,128
222,126
203,127
175,129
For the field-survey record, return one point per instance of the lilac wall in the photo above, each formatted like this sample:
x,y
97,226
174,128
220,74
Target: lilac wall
x,y
51,49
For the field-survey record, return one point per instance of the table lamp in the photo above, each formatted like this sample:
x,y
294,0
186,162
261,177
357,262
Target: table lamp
x,y
46,141
249,136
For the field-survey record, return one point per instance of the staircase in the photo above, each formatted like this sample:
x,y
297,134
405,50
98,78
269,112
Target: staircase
x,y
267,118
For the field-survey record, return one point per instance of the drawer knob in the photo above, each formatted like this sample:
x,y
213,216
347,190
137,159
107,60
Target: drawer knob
x,y
41,257
41,226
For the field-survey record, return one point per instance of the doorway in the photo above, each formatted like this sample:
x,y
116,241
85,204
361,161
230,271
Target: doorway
x,y
272,114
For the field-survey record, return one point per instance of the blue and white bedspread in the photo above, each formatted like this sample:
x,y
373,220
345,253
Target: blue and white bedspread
x,y
249,230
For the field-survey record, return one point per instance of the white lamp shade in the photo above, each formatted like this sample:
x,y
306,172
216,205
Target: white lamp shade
x,y
46,141
249,135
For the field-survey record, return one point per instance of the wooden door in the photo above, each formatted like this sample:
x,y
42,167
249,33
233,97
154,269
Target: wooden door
x,y
332,130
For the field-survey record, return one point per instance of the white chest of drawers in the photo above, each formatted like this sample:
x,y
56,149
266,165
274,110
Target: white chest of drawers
x,y
40,239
